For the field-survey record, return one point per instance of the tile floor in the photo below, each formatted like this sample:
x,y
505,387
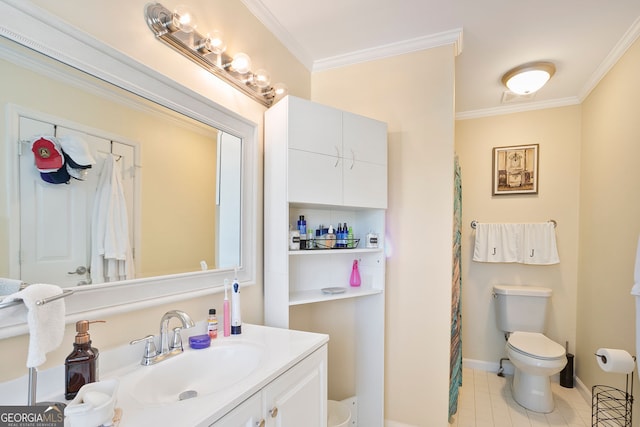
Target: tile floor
x,y
485,401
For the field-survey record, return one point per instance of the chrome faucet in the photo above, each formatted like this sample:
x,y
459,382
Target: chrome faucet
x,y
152,356
176,341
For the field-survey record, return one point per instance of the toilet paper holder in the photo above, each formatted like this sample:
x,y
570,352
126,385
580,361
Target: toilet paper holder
x,y
612,406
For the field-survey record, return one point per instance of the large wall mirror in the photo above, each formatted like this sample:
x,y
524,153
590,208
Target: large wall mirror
x,y
187,166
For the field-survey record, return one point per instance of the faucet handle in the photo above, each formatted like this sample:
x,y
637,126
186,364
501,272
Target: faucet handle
x,y
176,340
150,351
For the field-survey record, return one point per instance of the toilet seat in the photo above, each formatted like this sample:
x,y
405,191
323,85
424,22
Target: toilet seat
x,y
535,345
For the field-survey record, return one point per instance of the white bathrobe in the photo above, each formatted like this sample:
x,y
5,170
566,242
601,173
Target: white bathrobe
x,y
111,257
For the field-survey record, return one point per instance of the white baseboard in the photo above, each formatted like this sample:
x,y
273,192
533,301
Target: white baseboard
x,y
483,365
389,423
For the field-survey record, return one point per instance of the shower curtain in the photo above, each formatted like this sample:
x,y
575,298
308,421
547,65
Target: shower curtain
x,y
455,372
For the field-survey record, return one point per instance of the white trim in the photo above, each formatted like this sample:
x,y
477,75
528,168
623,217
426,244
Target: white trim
x,y
517,108
264,15
451,37
612,58
37,29
482,365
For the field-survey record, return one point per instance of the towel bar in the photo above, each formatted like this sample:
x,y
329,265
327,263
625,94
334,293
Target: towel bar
x,y
43,301
474,223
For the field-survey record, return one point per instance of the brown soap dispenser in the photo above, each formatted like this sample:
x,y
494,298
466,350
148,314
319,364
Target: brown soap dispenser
x,y
81,366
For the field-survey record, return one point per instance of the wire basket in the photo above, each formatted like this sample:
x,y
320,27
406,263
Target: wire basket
x,y
610,406
317,244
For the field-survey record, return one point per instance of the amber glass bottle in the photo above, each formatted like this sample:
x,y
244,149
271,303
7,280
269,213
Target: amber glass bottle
x,y
81,366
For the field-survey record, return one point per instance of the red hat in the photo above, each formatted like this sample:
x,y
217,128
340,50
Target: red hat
x,y
47,153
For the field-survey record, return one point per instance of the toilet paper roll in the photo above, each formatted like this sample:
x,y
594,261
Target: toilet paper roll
x,y
615,360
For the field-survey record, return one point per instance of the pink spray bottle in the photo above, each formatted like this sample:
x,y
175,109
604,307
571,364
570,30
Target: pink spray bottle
x,y
355,274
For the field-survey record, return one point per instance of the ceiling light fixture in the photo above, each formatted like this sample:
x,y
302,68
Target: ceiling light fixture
x,y
528,78
178,30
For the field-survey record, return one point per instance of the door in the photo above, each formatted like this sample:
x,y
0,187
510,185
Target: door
x,y
55,219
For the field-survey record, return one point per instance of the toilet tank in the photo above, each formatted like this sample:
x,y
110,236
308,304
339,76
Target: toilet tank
x,y
521,308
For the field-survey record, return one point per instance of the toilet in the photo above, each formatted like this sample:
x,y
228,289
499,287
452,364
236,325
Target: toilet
x,y
521,313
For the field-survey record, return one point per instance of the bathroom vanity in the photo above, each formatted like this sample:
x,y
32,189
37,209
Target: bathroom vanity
x,y
264,377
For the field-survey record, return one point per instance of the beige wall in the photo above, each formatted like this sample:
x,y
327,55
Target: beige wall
x,y
557,131
413,94
138,42
609,214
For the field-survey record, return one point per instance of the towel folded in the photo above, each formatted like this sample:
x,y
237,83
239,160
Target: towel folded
x,y
498,243
46,322
521,243
9,286
540,244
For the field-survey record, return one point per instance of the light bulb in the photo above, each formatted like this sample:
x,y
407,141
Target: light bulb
x,y
261,78
215,42
241,63
184,19
280,90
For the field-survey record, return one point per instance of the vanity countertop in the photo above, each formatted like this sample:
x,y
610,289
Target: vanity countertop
x,y
283,348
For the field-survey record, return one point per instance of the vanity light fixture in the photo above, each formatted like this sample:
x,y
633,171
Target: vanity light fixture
x,y
178,29
528,78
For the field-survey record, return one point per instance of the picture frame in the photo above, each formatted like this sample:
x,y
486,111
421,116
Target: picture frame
x,y
515,170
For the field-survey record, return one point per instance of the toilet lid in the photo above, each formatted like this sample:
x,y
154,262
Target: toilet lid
x,y
535,345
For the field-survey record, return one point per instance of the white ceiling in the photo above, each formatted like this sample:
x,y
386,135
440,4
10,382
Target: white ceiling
x,y
583,38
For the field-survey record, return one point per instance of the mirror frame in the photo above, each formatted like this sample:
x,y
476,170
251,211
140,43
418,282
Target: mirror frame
x,y
42,32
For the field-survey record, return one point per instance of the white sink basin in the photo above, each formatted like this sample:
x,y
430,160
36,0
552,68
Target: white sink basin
x,y
195,373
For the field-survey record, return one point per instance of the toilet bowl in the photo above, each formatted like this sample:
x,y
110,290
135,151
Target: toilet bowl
x,y
535,358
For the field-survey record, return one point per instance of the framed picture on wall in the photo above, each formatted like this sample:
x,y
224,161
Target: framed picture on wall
x,y
515,170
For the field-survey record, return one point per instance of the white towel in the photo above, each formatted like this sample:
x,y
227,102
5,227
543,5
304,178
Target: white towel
x,y
46,322
111,257
498,243
539,244
9,286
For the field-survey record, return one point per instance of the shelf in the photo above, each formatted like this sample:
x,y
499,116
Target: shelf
x,y
334,251
316,295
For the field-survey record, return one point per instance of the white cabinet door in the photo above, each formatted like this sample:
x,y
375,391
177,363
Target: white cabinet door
x,y
247,414
314,178
314,127
365,162
299,396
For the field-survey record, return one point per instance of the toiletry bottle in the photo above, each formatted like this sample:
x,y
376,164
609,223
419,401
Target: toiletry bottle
x,y
330,238
355,274
236,321
310,242
212,324
81,365
226,319
339,236
302,225
350,240
294,239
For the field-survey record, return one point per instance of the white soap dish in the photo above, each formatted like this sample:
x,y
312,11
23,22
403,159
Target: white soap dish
x,y
94,405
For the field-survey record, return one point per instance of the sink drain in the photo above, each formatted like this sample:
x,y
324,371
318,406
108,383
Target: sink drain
x,y
189,394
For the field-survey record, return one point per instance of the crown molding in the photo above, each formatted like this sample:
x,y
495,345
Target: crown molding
x,y
260,11
517,108
611,59
451,37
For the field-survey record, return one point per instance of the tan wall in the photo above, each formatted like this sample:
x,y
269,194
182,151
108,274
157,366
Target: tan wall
x,y
413,94
609,213
138,42
557,131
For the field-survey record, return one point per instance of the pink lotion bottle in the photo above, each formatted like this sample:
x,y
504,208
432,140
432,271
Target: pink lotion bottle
x,y
225,311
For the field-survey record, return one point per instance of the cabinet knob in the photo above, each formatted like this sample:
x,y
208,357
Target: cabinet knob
x,y
260,423
274,412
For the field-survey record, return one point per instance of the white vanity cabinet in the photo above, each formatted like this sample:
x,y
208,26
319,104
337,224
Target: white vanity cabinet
x,y
330,176
333,157
298,397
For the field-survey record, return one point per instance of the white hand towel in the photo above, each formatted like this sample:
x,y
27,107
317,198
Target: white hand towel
x,y
498,243
46,322
9,286
540,244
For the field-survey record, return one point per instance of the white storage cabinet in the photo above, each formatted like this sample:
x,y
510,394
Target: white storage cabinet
x,y
331,167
